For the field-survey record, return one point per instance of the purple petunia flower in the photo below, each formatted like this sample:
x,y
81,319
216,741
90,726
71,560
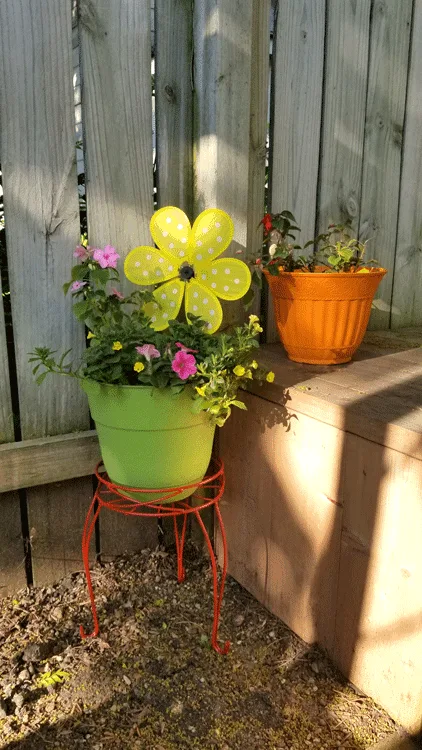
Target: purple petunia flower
x,y
186,349
116,293
107,258
82,252
148,351
184,365
77,285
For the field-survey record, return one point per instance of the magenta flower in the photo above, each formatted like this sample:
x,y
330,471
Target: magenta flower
x,y
184,365
116,293
148,351
77,285
186,349
82,252
107,258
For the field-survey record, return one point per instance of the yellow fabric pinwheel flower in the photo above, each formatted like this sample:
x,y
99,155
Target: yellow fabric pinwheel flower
x,y
186,261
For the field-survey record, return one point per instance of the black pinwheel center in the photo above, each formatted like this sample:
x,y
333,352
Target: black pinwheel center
x,y
186,272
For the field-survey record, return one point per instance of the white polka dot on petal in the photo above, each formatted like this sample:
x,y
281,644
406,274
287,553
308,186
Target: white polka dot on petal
x,y
227,270
164,296
168,220
165,315
213,284
182,254
153,319
180,226
199,243
199,257
165,234
137,264
144,273
203,276
214,271
183,240
171,246
226,288
161,260
212,312
155,305
195,294
217,224
205,230
169,268
237,281
149,257
205,301
209,325
158,272
195,307
219,239
172,304
175,291
210,250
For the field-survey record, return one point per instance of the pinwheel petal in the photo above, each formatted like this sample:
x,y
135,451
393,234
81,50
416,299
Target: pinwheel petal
x,y
147,265
228,278
203,303
212,233
171,231
169,298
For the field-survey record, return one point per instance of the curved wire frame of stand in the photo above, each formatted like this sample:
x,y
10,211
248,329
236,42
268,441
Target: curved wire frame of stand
x,y
112,496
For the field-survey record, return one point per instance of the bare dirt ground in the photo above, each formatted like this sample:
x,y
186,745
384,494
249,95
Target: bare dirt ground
x,y
151,681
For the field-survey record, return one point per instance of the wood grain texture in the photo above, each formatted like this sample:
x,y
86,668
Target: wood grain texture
x,y
6,411
296,125
117,106
283,522
346,73
378,636
41,202
12,556
173,103
45,460
56,516
387,79
407,298
222,75
42,223
260,71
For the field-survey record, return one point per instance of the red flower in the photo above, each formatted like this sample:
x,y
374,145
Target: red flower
x,y
258,261
267,222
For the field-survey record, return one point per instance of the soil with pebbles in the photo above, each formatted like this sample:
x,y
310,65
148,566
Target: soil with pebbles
x,y
151,681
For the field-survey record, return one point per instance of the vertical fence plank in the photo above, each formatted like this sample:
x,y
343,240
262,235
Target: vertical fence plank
x,y
173,102
389,51
222,75
42,220
407,297
297,92
6,411
346,72
258,124
117,120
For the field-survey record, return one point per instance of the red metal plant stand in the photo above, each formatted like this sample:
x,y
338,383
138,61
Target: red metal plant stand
x,y
112,496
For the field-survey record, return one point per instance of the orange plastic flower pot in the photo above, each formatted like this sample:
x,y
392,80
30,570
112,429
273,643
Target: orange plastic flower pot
x,y
322,317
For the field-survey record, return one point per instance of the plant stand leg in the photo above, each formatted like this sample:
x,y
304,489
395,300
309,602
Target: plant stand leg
x,y
89,526
180,545
218,590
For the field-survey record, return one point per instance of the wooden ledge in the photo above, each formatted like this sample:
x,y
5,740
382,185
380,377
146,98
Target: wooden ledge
x,y
377,396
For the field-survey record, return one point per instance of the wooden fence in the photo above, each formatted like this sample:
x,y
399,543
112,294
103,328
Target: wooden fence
x,y
345,143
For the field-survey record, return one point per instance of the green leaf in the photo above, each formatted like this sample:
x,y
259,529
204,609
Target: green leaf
x,y
288,215
240,405
41,377
66,287
100,276
79,273
80,309
248,298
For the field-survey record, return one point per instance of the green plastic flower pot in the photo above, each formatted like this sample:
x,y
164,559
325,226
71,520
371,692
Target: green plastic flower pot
x,y
150,438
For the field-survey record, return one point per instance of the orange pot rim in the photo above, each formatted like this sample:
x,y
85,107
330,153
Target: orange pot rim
x,y
377,271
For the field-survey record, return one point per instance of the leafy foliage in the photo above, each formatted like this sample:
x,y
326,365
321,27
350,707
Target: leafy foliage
x,y
52,678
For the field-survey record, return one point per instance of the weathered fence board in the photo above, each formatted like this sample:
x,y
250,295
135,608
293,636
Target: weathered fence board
x,y
42,222
173,103
387,77
346,73
117,111
12,555
407,297
6,411
296,125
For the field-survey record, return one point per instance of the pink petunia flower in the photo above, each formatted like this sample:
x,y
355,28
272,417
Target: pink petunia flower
x,y
77,285
184,365
148,351
82,252
107,258
186,349
116,293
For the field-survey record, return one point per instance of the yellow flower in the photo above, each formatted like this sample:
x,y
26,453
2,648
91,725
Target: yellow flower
x,y
117,346
253,319
139,366
201,390
91,335
270,377
239,371
254,364
248,374
187,267
257,328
